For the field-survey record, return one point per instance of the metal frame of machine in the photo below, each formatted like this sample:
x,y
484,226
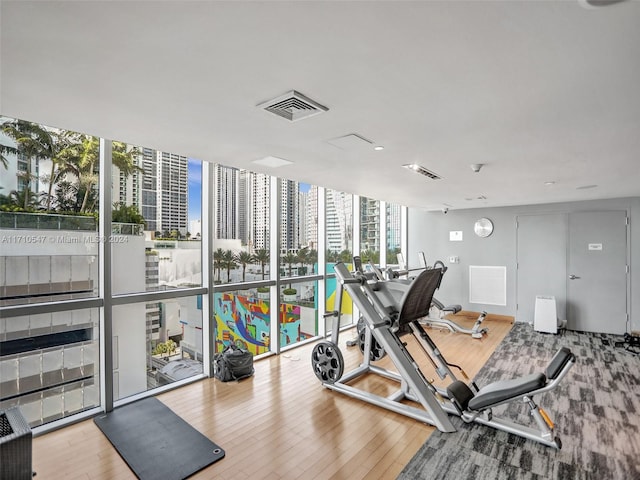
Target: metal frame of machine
x,y
393,308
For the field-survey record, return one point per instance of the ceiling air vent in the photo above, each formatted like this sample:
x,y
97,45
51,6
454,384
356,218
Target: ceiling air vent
x,y
414,167
293,106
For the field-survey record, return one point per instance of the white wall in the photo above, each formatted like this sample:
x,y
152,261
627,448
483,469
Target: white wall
x,y
429,232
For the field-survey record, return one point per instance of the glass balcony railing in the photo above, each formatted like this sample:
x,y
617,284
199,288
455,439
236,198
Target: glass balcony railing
x,y
127,229
53,221
47,221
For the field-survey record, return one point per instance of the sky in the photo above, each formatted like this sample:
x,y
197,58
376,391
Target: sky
x,y
194,171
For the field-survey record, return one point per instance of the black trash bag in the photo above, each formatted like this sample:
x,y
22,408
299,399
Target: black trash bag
x,y
232,363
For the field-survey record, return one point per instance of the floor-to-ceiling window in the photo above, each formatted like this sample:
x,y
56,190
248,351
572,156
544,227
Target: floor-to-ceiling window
x,y
156,248
298,228
241,206
339,248
49,271
172,258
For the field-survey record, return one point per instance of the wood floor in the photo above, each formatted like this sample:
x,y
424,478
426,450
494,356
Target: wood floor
x,y
281,423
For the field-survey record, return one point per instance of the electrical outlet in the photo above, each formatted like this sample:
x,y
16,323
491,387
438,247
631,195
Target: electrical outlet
x,y
454,259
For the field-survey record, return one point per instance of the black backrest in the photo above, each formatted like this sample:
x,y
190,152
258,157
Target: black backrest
x,y
416,302
558,362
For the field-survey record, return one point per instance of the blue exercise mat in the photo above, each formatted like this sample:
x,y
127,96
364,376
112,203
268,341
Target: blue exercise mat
x,y
155,442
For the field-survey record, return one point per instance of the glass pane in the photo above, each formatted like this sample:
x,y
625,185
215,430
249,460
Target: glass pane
x,y
48,212
241,206
346,310
156,343
298,313
369,230
243,318
50,364
393,227
156,220
298,228
339,226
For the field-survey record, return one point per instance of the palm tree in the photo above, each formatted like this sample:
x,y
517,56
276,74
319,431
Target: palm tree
x,y
261,256
82,159
61,141
303,257
244,258
217,261
229,262
372,255
313,259
345,256
290,258
25,199
65,198
33,142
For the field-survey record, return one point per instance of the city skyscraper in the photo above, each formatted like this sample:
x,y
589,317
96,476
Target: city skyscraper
x,y
227,196
162,186
339,222
259,193
172,198
289,221
369,224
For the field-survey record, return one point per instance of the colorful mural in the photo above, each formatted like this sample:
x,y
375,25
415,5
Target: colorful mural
x,y
245,321
242,320
290,325
347,304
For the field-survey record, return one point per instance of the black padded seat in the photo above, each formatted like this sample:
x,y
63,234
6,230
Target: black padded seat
x,y
506,389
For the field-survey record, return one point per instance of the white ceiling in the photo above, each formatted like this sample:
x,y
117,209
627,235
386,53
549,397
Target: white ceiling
x,y
538,91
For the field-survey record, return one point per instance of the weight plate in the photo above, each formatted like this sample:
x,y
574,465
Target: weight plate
x,y
327,362
377,351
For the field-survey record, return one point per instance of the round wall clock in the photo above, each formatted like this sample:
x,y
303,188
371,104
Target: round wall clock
x,y
483,227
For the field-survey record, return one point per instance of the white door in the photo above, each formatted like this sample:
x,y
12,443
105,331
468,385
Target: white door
x,y
597,272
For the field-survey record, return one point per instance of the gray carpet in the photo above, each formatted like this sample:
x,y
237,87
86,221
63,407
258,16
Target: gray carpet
x,y
596,410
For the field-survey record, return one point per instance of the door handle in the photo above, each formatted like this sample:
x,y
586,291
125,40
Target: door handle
x,y
573,277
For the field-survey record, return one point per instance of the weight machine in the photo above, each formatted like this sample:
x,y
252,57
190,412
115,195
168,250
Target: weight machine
x,y
477,331
393,308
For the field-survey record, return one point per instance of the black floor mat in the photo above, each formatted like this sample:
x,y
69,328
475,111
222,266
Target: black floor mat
x,y
155,442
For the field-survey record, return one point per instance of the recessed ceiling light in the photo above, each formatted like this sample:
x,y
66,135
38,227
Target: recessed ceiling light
x,y
378,147
273,162
548,184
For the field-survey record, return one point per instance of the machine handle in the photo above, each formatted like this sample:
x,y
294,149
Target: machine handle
x,y
573,277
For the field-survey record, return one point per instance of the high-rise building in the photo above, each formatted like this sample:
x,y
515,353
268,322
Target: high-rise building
x,y
339,221
227,181
289,234
172,198
369,224
259,189
148,197
393,228
162,187
244,206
